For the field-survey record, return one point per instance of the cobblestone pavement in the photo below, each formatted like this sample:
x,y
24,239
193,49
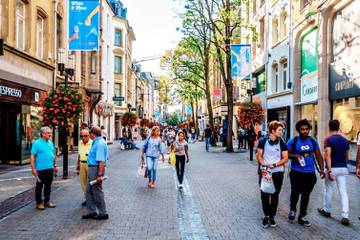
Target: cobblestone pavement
x,y
221,200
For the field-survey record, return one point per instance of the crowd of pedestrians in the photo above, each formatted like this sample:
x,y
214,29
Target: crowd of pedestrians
x,y
305,159
272,153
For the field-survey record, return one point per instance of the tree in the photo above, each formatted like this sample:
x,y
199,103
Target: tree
x,y
173,119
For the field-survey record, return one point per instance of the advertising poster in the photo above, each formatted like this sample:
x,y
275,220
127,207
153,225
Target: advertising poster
x,y
83,28
241,61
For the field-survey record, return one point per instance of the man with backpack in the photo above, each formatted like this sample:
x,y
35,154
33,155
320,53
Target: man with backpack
x,y
303,150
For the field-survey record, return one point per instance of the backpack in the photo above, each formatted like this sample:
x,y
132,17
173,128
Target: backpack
x,y
312,140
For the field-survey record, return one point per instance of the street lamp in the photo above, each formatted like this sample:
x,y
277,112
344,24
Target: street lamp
x,y
251,91
66,65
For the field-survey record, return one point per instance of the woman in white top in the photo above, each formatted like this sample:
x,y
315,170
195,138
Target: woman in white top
x,y
181,149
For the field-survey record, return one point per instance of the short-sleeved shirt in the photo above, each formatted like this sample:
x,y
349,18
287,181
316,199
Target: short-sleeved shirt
x,y
84,150
339,146
99,152
272,152
154,147
304,148
208,133
44,154
182,146
170,136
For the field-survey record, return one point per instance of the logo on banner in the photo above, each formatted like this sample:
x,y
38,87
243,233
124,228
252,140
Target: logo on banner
x,y
217,93
83,28
241,61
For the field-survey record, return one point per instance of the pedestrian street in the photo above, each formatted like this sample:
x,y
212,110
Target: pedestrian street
x,y
220,200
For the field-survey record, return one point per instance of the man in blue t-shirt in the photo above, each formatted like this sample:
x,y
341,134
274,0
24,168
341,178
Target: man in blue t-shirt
x,y
43,166
302,151
336,155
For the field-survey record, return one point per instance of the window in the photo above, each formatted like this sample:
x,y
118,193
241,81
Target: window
x,y
275,82
262,32
93,62
118,40
58,31
283,28
118,64
39,37
303,3
20,25
284,73
254,7
117,93
275,31
107,55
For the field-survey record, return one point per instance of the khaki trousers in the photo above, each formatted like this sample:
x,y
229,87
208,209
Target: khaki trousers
x,y
83,175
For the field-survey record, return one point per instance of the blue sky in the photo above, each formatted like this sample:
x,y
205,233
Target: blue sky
x,y
154,23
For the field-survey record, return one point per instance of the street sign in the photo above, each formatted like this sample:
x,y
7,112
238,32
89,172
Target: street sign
x,y
118,98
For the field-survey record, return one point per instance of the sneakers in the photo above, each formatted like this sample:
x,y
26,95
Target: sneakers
x,y
303,221
101,217
272,223
265,222
40,206
291,216
345,221
89,215
324,213
83,203
50,205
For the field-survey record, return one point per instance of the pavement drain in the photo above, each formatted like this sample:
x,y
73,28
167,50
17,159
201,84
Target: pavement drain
x,y
19,201
190,223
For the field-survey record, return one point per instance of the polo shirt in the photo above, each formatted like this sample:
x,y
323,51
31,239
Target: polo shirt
x,y
99,152
44,154
84,150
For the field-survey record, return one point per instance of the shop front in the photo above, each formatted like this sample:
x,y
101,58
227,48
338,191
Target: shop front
x,y
279,109
345,73
20,121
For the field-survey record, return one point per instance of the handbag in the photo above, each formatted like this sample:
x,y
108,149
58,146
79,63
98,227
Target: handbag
x,y
267,183
141,171
172,158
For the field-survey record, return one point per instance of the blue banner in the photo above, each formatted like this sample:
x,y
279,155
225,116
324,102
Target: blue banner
x,y
241,61
83,28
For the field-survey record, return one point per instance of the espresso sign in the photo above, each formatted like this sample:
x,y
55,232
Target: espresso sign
x,y
13,92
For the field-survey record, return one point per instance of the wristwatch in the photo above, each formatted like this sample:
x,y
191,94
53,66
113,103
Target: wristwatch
x,y
274,165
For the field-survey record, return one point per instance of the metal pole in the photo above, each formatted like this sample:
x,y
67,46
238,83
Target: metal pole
x,y
65,143
251,143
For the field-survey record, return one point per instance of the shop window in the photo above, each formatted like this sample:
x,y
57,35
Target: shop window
x,y
20,25
39,37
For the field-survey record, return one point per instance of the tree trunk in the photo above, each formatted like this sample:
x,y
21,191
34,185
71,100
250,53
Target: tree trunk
x,y
193,112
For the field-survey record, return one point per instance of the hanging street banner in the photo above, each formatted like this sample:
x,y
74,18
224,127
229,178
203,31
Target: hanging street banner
x,y
241,61
83,27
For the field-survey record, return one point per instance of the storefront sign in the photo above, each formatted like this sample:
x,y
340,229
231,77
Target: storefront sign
x,y
309,52
13,92
309,88
10,91
345,71
343,84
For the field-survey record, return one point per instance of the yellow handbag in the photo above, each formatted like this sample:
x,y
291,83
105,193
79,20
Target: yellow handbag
x,y
172,158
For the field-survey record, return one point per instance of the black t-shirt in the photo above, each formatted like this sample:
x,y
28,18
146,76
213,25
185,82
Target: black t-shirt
x,y
208,132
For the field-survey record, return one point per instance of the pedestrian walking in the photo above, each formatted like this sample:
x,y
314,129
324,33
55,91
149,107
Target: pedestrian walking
x,y
43,166
240,136
336,156
170,138
272,154
207,135
358,159
152,149
303,149
181,149
97,161
82,167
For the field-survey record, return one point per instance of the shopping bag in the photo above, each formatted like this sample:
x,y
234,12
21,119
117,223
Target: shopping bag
x,y
267,183
141,171
172,158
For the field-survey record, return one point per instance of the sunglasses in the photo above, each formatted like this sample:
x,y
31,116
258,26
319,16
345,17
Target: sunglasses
x,y
84,136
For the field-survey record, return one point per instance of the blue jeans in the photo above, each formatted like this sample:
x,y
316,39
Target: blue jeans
x,y
207,144
151,164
